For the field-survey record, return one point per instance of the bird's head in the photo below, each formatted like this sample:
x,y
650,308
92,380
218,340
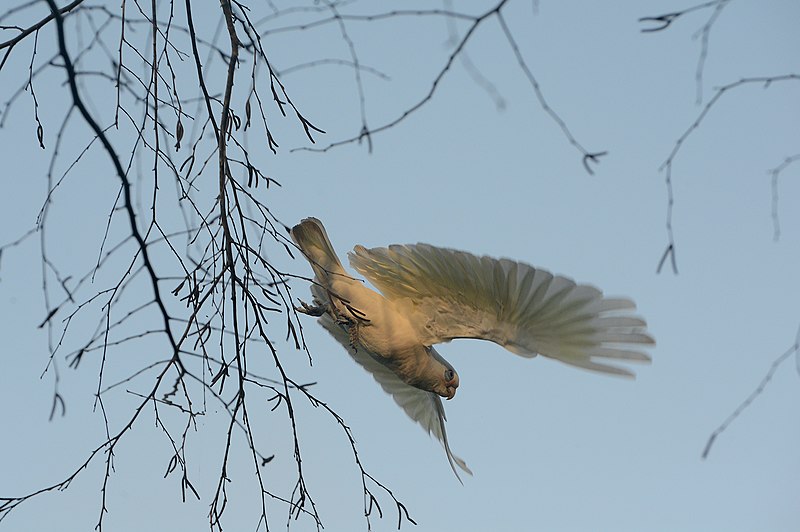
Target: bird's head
x,y
445,381
449,383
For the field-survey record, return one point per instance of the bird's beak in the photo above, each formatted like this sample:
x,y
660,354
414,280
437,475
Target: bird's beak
x,y
451,392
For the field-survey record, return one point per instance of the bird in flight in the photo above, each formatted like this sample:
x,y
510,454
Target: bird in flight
x,y
429,295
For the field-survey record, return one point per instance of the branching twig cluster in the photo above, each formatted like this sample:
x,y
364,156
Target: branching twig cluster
x,y
220,283
474,22
663,22
666,166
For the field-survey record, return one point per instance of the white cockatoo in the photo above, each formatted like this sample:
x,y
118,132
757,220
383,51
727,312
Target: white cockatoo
x,y
431,295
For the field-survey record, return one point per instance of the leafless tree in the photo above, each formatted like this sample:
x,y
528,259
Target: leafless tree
x,y
170,93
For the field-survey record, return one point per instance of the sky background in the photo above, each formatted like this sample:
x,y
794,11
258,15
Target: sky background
x,y
551,447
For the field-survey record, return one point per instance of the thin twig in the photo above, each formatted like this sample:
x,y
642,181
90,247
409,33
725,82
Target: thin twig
x,y
793,350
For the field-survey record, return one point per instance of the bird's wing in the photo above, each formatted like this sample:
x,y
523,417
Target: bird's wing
x,y
529,311
423,407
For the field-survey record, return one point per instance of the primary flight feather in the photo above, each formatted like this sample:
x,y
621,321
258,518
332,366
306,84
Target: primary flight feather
x,y
431,295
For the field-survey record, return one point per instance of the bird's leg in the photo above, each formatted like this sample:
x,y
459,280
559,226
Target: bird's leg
x,y
349,318
316,310
350,325
353,331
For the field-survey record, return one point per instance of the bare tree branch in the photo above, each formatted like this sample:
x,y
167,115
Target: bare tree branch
x,y
793,350
475,22
662,22
667,165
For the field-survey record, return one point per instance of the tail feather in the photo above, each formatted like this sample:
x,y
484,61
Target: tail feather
x,y
311,238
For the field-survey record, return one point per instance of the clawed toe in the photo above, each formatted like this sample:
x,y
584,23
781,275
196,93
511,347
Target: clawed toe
x,y
316,310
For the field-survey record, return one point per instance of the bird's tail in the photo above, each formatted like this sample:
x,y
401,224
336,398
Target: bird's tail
x,y
311,238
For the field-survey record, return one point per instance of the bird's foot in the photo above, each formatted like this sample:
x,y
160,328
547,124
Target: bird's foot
x,y
315,310
351,326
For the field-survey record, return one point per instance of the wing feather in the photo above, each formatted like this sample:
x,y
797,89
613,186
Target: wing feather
x,y
529,311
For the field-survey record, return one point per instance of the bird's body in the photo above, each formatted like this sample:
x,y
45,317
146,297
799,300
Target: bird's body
x,y
375,324
432,295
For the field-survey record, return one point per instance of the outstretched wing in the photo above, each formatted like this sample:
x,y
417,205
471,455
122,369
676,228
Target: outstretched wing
x,y
529,311
423,407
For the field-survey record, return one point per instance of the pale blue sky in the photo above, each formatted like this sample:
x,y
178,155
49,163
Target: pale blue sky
x,y
552,447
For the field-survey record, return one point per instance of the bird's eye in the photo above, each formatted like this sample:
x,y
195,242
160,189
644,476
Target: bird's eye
x,y
449,374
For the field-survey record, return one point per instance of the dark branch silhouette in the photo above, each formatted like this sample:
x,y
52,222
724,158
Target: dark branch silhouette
x,y
475,22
